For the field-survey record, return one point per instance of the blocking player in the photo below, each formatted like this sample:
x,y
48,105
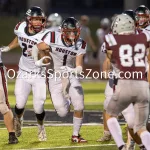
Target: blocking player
x,y
30,77
53,22
109,88
67,51
127,51
143,14
4,105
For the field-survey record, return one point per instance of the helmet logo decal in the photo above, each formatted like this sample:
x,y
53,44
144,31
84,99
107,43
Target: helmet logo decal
x,y
28,12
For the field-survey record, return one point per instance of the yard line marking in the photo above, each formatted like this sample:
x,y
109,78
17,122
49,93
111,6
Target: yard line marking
x,y
65,147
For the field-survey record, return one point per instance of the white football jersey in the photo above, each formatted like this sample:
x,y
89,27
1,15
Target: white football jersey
x,y
26,42
61,54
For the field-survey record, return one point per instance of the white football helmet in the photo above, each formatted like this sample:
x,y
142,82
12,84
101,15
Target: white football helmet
x,y
54,20
123,24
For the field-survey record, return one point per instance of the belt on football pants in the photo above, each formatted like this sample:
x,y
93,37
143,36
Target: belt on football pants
x,y
31,72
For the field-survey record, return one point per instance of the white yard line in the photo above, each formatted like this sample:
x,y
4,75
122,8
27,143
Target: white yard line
x,y
65,147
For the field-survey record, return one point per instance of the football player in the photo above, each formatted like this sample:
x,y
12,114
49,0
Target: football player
x,y
54,21
67,51
144,23
4,105
124,50
143,14
30,77
128,113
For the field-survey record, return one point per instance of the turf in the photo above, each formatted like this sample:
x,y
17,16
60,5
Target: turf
x,y
57,137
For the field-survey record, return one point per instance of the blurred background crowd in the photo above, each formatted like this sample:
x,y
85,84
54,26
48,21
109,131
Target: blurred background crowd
x,y
95,17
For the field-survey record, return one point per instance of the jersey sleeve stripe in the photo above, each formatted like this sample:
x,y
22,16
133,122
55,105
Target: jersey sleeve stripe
x,y
44,36
110,40
113,39
17,26
52,37
83,45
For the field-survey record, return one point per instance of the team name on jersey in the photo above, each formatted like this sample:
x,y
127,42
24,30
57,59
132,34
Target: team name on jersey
x,y
65,51
27,40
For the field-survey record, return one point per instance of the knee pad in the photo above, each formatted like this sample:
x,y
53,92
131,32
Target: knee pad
x,y
40,116
130,123
18,111
3,108
62,112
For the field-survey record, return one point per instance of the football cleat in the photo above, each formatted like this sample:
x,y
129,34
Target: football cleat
x,y
41,133
18,124
131,145
124,148
78,139
105,137
142,147
12,139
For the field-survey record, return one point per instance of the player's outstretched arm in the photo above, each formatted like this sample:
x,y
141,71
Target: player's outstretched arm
x,y
12,45
36,50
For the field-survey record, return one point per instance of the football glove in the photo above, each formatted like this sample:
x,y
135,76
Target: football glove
x,y
40,63
5,49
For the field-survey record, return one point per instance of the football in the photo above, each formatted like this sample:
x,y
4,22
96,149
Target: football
x,y
41,54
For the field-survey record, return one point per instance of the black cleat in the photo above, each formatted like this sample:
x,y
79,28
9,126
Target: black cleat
x,y
12,139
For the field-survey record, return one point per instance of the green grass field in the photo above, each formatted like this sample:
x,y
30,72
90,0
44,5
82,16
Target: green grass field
x,y
94,96
58,137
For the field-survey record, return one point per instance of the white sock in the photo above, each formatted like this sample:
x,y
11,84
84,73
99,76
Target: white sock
x,y
145,137
41,126
115,131
77,123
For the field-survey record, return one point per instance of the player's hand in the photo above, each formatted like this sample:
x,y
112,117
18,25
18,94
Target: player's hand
x,y
40,63
4,49
66,69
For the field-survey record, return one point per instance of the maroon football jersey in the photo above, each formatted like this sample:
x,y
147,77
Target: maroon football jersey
x,y
129,54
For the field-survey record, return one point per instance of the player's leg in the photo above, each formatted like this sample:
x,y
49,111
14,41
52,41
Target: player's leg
x,y
128,114
5,108
141,109
22,91
148,121
39,97
108,94
119,101
61,104
77,99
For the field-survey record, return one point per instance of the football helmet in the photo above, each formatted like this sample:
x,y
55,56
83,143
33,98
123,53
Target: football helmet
x,y
105,23
70,29
35,12
132,14
123,24
54,20
143,14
